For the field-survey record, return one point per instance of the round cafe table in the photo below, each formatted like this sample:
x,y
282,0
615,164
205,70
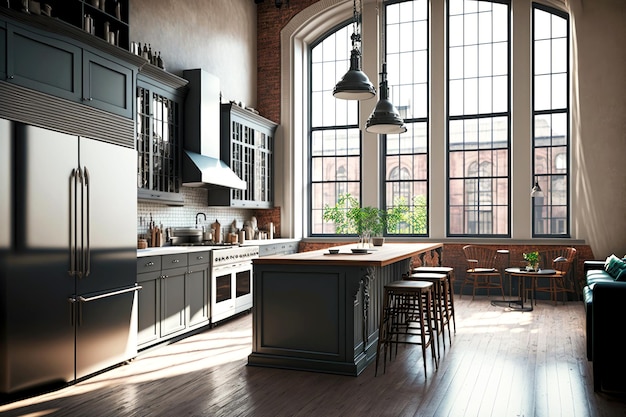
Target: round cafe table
x,y
526,277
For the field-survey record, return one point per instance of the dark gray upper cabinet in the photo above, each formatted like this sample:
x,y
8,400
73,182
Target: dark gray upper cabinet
x,y
27,51
3,50
54,60
159,138
107,85
247,145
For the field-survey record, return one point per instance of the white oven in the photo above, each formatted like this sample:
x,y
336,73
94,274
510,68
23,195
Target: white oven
x,y
231,281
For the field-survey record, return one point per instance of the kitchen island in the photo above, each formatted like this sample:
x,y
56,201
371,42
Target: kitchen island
x,y
318,311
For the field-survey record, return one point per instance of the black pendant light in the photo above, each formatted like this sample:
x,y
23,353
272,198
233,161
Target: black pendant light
x,y
385,119
355,85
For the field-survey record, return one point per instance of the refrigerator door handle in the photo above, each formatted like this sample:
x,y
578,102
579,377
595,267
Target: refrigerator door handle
x,y
87,251
80,256
109,294
81,300
73,223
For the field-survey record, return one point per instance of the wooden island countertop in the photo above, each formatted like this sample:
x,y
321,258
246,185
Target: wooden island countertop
x,y
379,256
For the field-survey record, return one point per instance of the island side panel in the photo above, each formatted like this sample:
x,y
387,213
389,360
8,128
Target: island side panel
x,y
368,306
313,317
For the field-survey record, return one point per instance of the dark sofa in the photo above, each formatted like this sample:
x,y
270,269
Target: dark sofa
x,y
603,295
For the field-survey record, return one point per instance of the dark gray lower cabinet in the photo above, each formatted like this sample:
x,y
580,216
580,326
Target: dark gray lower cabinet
x,y
173,293
197,290
148,314
175,296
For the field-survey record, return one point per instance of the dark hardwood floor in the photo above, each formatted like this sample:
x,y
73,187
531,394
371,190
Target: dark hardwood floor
x,y
501,364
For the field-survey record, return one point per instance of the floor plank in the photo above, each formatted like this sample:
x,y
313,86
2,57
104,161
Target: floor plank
x,y
501,363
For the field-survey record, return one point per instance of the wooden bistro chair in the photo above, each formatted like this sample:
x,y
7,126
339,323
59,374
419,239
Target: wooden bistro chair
x,y
561,260
482,269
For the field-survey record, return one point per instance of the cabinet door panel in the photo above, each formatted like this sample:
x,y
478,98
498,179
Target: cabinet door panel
x,y
148,301
3,51
107,85
198,295
173,302
26,54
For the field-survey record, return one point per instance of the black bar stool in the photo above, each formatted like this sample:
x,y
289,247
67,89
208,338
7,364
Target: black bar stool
x,y
405,316
448,293
441,317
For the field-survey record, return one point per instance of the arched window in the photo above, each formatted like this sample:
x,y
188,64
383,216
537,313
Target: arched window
x,y
452,76
335,139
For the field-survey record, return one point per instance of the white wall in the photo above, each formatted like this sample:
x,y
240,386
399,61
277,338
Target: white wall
x,y
599,185
218,36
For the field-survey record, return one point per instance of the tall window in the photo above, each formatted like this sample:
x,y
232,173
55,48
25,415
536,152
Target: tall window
x,y
406,155
550,122
472,149
335,138
478,118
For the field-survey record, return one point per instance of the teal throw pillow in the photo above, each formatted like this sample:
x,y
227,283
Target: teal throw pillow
x,y
614,265
621,276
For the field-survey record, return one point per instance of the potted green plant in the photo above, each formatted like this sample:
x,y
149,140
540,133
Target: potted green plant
x,y
389,221
533,260
349,217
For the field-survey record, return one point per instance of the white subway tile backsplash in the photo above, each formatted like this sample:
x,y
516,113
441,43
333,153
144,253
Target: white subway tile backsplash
x,y
195,202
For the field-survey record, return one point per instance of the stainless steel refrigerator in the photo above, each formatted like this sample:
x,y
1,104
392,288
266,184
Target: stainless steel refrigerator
x,y
67,256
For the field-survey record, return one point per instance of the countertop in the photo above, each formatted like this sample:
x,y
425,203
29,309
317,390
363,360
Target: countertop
x,y
261,242
168,250
375,256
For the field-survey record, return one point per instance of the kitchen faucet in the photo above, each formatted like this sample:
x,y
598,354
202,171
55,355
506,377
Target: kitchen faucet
x,y
198,215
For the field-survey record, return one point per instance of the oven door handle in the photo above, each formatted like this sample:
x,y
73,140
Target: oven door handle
x,y
240,265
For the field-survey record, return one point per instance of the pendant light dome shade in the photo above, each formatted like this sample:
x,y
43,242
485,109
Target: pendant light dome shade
x,y
354,85
385,119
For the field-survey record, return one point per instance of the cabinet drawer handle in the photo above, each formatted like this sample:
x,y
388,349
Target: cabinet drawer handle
x,y
175,261
199,257
11,77
150,264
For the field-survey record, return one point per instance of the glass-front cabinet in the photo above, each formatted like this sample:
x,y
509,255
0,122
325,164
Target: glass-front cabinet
x,y
158,143
247,145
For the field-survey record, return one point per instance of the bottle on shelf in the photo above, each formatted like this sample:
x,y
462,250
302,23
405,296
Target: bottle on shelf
x,y
160,63
118,10
88,24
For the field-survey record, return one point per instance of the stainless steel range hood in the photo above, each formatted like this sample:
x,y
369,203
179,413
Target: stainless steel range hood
x,y
202,166
204,171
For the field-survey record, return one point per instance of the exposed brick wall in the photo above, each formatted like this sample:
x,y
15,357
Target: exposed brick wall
x,y
270,21
266,216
